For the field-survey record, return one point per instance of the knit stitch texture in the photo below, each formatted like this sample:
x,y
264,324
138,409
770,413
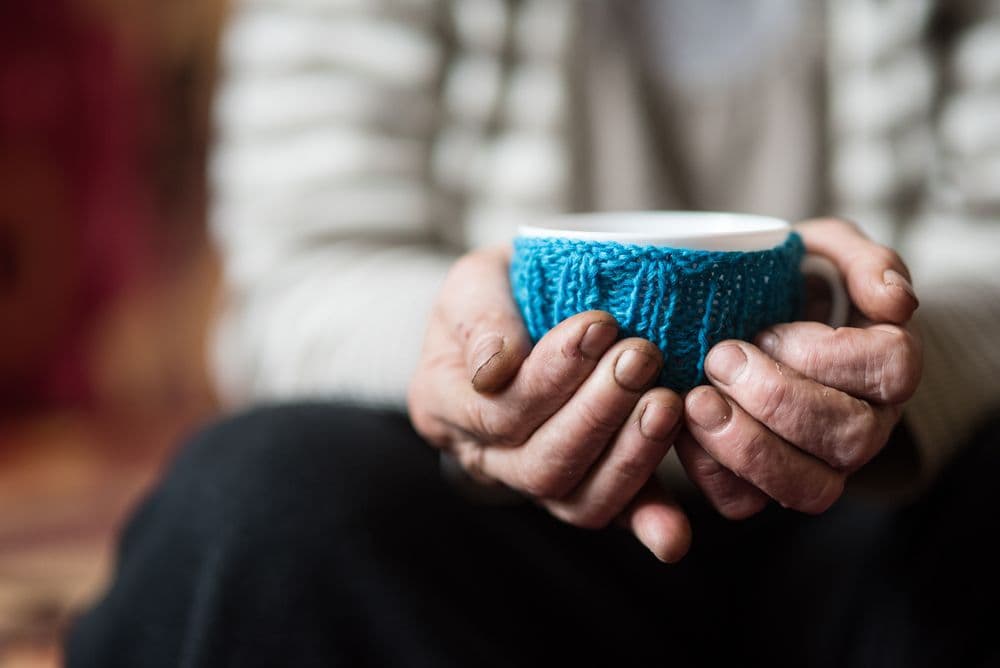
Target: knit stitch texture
x,y
684,301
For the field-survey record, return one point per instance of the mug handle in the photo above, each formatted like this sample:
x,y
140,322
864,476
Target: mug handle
x,y
821,267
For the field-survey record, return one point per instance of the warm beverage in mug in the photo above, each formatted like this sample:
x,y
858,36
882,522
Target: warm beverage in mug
x,y
683,280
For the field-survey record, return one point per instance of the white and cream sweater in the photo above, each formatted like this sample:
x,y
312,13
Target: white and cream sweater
x,y
363,144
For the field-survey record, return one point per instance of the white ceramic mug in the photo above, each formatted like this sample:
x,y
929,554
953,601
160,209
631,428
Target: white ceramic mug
x,y
694,230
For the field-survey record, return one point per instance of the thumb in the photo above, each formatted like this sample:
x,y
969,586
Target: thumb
x,y
484,318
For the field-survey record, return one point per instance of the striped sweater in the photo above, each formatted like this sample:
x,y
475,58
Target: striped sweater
x,y
363,144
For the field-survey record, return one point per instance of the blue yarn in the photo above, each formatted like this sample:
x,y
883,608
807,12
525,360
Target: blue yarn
x,y
684,301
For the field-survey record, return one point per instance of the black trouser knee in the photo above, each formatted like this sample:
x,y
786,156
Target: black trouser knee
x,y
260,543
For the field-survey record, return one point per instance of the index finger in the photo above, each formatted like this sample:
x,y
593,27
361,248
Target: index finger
x,y
557,365
877,279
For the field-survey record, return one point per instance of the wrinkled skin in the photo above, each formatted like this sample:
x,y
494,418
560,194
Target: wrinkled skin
x,y
575,423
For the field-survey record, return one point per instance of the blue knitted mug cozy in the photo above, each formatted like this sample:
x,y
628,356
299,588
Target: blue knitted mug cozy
x,y
684,301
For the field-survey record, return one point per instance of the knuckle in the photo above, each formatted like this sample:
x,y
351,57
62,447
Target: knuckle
x,y
480,420
857,441
728,494
901,369
814,359
771,397
815,502
597,419
840,338
511,431
493,424
708,473
874,376
632,468
847,455
749,455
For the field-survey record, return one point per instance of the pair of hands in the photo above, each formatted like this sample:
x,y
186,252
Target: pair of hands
x,y
576,424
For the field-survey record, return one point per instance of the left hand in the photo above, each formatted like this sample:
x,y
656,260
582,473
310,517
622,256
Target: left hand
x,y
792,416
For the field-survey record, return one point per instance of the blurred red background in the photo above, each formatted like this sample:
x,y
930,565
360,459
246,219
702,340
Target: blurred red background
x,y
106,285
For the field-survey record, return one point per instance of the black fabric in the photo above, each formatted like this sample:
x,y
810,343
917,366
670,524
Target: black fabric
x,y
324,535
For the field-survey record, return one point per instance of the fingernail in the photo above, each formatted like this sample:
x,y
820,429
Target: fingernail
x,y
597,338
634,369
486,348
726,363
767,341
657,421
708,410
893,278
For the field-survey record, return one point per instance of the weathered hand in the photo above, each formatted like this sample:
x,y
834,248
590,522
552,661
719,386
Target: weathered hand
x,y
571,422
792,416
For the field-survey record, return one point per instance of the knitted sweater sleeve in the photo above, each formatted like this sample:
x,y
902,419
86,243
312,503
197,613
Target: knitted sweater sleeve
x,y
916,160
955,246
322,208
960,324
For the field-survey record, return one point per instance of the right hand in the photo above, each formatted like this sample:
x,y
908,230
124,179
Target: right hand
x,y
571,422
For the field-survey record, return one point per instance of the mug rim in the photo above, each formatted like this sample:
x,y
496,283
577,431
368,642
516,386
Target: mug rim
x,y
715,230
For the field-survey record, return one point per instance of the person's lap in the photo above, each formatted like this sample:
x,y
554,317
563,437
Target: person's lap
x,y
318,535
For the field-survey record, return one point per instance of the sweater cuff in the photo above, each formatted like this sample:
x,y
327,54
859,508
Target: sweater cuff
x,y
344,322
960,388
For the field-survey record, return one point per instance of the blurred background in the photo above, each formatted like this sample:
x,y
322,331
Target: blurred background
x,y
106,286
